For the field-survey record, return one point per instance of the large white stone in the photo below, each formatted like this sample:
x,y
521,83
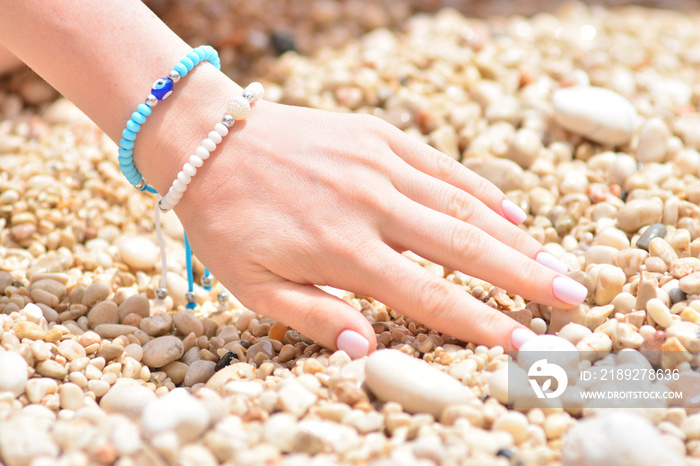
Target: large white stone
x,y
178,411
13,370
620,438
596,113
138,252
418,387
127,397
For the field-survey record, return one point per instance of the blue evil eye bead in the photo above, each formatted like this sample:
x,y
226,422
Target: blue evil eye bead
x,y
162,88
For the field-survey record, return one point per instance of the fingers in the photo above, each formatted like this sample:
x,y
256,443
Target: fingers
x,y
456,203
438,165
414,291
445,240
322,317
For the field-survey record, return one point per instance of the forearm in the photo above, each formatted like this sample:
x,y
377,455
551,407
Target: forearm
x,y
104,57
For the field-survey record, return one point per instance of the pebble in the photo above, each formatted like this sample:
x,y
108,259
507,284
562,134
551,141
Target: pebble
x,y
178,411
71,396
23,440
556,349
656,230
623,438
126,397
690,284
525,147
608,284
26,329
186,323
71,350
51,368
515,423
295,398
652,141
136,304
157,325
138,252
393,376
95,293
637,213
199,372
162,350
114,330
578,109
105,312
13,368
659,312
315,436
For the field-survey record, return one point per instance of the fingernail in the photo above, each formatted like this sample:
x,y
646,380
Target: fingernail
x,y
569,290
514,213
352,343
551,262
520,336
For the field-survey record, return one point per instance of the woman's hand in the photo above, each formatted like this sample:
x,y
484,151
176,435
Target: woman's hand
x,y
297,197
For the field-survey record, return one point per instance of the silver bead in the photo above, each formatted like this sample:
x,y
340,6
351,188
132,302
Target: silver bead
x,y
161,293
162,208
248,95
228,121
222,298
174,76
152,100
141,185
207,281
191,297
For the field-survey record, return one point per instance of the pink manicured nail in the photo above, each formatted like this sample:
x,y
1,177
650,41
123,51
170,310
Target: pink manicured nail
x,y
520,336
514,213
352,343
569,290
551,262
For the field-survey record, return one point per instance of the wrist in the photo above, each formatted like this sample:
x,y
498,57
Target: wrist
x,y
180,123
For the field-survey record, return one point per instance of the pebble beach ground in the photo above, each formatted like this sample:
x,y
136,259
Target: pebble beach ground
x,y
587,118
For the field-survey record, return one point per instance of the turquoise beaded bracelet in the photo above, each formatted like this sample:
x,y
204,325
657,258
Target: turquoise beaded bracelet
x,y
160,90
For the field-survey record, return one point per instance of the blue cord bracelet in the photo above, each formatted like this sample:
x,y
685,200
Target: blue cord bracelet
x,y
160,90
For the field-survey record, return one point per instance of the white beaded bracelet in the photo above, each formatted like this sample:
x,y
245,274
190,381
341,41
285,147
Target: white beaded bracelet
x,y
236,110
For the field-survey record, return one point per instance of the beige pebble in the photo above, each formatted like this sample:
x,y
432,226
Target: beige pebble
x,y
690,283
199,372
72,396
54,287
38,387
609,284
138,252
127,397
26,329
394,376
51,368
186,323
44,297
95,293
162,350
105,312
515,423
637,213
157,325
652,141
134,350
71,350
114,330
578,110
659,312
136,304
176,370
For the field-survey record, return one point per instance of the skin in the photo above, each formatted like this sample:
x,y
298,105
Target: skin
x,y
293,197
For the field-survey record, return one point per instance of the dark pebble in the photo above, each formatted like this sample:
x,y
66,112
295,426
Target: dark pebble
x,y
225,360
283,42
245,343
505,452
677,295
623,196
655,230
